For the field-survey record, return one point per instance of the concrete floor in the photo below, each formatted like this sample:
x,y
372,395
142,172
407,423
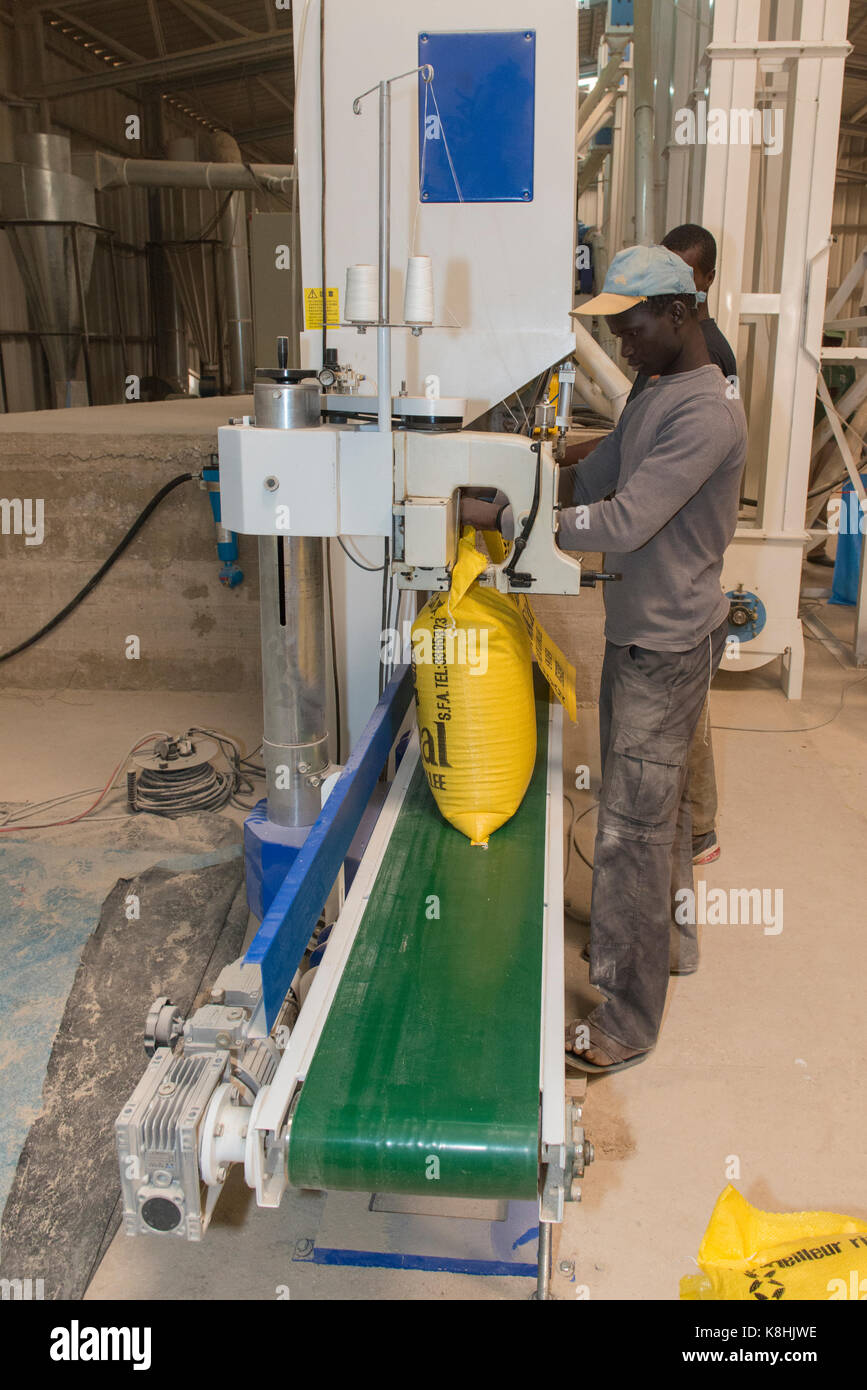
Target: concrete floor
x,y
758,1072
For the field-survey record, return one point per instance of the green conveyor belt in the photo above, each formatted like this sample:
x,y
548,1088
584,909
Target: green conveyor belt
x,y
431,1048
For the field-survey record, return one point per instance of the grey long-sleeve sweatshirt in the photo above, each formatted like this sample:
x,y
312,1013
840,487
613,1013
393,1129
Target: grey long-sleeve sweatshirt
x,y
674,462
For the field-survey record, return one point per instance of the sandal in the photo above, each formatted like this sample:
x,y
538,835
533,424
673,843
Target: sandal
x,y
599,1042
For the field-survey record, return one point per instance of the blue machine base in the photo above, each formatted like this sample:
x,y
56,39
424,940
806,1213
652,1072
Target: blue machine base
x,y
343,826
269,852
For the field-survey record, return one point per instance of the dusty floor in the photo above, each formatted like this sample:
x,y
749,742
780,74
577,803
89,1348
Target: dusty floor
x,y
757,1077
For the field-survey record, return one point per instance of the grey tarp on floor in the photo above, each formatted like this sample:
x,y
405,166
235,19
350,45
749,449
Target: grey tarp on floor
x,y
63,1208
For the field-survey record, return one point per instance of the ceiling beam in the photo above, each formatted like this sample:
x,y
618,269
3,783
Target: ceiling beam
x,y
214,15
210,59
157,29
118,49
857,26
265,132
200,13
191,82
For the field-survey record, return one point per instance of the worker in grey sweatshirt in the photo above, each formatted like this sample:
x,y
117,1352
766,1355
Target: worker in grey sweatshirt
x,y
659,495
696,246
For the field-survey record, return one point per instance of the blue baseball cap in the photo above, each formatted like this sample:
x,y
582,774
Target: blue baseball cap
x,y
636,274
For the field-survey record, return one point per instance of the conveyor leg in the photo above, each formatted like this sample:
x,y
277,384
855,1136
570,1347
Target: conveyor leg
x,y
543,1277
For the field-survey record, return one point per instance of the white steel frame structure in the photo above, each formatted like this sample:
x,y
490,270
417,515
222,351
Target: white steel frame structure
x,y
766,555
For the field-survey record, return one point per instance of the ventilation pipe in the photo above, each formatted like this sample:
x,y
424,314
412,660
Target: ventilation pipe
x,y
236,267
645,213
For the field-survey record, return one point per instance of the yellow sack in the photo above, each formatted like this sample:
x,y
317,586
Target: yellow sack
x,y
747,1253
473,671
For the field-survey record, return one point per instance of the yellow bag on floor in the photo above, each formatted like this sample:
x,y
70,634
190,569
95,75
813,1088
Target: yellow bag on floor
x,y
473,669
747,1254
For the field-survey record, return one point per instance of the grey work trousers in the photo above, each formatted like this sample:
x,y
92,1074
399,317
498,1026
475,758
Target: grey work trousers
x,y
702,777
649,706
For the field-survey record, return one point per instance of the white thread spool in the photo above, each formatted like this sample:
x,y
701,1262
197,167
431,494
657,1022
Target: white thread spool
x,y
361,304
418,301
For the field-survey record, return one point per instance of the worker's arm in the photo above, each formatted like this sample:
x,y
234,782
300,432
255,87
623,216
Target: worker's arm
x,y
486,516
574,453
686,452
595,476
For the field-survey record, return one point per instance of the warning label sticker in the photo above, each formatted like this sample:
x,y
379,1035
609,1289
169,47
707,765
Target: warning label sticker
x,y
313,308
557,670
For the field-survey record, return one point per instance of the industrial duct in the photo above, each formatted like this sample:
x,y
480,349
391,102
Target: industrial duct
x,y
50,217
236,270
229,173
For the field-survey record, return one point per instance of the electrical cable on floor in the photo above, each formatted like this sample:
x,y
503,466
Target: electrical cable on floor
x,y
38,808
49,825
239,782
203,788
179,791
575,822
250,766
104,568
798,729
734,728
568,801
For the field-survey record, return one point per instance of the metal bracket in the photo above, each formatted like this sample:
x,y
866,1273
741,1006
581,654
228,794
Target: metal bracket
x,y
579,1151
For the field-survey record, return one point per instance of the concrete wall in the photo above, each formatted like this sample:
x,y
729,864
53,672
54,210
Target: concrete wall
x,y
95,469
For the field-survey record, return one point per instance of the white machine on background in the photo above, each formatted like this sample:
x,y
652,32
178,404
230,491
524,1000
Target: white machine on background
x,y
459,145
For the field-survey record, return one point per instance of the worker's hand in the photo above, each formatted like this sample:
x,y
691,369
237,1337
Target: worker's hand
x,y
475,512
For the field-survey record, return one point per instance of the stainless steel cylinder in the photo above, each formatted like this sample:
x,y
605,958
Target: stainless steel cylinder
x,y
292,601
44,151
239,311
292,608
294,405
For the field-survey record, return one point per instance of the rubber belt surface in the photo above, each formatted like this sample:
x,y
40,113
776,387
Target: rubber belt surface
x,y
426,1077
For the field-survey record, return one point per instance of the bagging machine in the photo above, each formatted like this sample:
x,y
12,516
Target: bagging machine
x,y
422,1051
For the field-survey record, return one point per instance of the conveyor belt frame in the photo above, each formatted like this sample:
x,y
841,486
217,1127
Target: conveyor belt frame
x,y
273,1113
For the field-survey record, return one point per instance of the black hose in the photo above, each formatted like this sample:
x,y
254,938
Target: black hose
x,y
103,569
178,793
521,541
